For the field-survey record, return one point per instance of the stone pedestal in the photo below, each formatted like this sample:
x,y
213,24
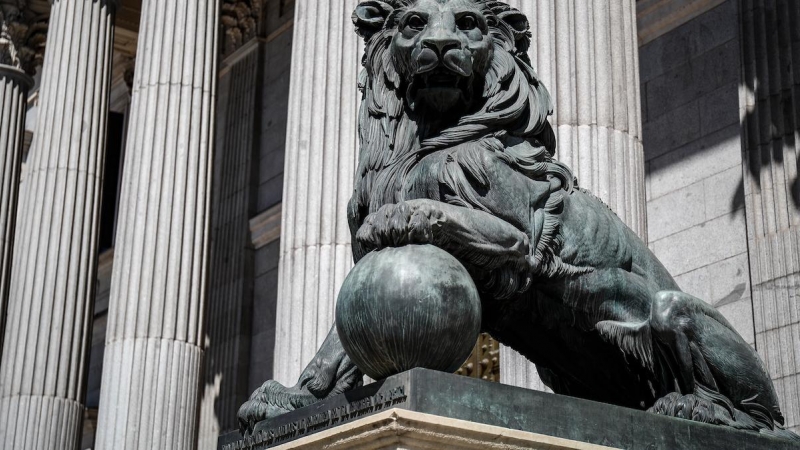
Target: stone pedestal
x,y
423,409
400,429
51,294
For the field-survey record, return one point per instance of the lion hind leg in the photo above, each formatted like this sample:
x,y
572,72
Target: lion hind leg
x,y
713,366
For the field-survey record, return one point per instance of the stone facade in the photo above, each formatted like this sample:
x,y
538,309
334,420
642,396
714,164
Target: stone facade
x,y
720,108
692,138
721,179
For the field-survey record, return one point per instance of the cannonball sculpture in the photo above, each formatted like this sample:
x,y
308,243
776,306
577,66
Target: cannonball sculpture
x,y
408,307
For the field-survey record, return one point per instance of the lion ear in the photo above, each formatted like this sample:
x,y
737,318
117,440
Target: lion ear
x,y
370,16
520,26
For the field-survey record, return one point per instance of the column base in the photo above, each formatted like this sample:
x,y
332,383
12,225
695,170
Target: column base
x,y
423,409
35,422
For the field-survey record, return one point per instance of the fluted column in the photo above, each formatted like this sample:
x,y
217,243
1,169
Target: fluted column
x,y
43,369
152,363
586,52
14,85
771,115
321,152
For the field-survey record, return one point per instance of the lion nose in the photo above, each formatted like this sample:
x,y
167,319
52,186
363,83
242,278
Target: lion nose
x,y
441,44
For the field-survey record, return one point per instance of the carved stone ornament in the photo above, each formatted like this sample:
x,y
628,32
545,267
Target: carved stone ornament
x,y
240,21
484,362
23,34
457,153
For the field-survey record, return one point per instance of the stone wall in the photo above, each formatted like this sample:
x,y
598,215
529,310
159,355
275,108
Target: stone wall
x,y
692,138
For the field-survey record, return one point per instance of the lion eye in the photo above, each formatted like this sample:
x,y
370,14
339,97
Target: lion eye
x,y
467,23
416,23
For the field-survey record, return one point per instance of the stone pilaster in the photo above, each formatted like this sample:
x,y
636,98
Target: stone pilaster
x,y
230,297
321,152
587,54
14,85
771,115
152,363
43,369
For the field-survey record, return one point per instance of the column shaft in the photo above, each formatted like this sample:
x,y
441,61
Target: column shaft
x,y
14,85
321,155
152,363
43,373
586,53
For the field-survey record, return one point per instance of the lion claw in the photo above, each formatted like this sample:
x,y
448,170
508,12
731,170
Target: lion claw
x,y
688,407
254,411
397,225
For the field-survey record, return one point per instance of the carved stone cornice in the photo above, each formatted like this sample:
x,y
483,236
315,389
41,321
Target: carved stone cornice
x,y
23,33
240,21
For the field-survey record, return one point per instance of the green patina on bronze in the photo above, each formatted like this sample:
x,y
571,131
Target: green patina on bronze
x,y
457,152
406,307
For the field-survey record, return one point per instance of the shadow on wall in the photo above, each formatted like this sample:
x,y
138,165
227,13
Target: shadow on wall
x,y
771,99
770,136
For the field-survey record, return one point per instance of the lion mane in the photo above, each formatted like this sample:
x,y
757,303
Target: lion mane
x,y
513,103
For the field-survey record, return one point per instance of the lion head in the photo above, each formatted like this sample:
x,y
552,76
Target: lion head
x,y
440,51
460,64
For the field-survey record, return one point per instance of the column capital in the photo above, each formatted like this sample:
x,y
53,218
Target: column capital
x,y
23,33
240,21
17,74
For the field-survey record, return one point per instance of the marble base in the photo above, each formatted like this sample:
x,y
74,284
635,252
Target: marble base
x,y
400,429
423,409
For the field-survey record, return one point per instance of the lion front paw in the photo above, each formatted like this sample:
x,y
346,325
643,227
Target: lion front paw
x,y
255,411
405,223
267,402
689,407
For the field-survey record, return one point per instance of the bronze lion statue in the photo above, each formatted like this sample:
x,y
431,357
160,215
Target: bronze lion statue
x,y
457,152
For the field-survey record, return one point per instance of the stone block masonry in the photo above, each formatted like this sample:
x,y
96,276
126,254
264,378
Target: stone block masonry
x,y
692,139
